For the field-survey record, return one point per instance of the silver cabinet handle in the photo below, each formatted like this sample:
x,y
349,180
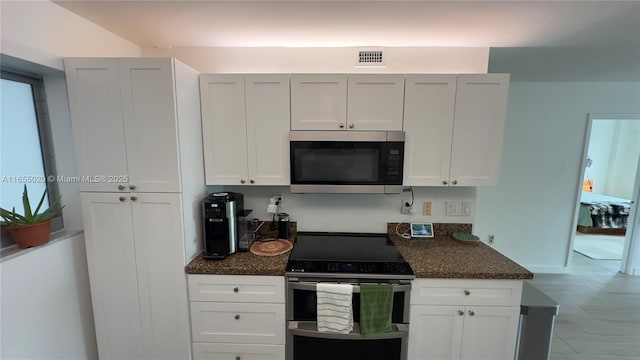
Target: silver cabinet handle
x,y
467,292
341,125
132,187
237,317
460,312
134,198
252,181
455,182
242,181
351,126
471,312
444,182
122,198
121,187
235,289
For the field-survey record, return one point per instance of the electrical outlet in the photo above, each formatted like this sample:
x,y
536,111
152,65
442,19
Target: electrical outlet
x,y
276,202
405,208
492,238
426,208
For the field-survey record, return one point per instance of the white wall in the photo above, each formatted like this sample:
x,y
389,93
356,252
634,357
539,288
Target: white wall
x,y
44,33
46,304
353,212
532,209
614,146
327,60
624,159
600,148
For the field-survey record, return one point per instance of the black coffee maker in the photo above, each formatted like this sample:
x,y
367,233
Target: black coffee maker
x,y
224,224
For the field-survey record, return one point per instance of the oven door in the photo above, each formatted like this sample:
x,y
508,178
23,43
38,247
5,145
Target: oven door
x,y
305,342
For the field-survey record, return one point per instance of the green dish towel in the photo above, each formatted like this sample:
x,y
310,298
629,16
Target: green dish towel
x,y
376,303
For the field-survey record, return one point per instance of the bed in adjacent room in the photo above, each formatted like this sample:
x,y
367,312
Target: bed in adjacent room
x,y
603,214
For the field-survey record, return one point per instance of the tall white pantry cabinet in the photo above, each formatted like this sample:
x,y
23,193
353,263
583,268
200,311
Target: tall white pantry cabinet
x,y
137,134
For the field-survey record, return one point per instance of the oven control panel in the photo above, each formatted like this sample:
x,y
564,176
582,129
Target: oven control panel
x,y
348,267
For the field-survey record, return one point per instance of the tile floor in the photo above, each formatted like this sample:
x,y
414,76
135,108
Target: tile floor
x,y
599,316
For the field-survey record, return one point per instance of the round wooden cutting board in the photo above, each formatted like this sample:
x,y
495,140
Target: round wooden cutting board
x,y
271,248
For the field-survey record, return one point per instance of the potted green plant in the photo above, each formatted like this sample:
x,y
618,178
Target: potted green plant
x,y
31,228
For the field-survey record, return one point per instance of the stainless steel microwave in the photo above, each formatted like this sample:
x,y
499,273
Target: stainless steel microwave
x,y
346,161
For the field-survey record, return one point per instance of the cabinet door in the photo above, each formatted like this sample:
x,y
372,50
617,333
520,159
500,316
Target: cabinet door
x,y
490,332
428,124
148,106
111,259
224,130
478,129
374,102
435,332
95,105
267,111
318,101
160,259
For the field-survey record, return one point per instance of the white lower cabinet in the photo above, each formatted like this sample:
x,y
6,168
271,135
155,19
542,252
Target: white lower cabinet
x,y
136,257
237,317
483,324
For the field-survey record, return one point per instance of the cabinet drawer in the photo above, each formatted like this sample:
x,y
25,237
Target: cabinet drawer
x,y
238,323
215,351
466,292
240,288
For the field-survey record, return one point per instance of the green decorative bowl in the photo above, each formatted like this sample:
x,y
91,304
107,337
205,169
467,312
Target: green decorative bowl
x,y
466,238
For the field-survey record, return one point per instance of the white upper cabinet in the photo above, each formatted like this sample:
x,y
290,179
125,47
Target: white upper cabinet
x,y
124,123
151,127
95,102
476,152
224,129
454,126
374,102
429,102
245,123
318,101
347,102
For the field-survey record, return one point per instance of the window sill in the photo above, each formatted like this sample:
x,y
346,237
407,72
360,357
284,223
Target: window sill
x,y
13,251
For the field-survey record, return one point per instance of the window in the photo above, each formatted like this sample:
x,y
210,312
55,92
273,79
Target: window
x,y
26,150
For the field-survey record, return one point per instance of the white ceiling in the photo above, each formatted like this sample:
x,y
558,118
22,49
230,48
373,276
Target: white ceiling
x,y
167,24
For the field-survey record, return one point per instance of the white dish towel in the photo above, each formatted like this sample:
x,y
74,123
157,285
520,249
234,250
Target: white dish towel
x,y
335,310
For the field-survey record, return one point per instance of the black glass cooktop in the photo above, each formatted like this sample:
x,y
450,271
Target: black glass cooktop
x,y
346,253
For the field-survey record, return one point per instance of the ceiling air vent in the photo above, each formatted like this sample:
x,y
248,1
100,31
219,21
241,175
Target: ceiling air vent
x,y
370,58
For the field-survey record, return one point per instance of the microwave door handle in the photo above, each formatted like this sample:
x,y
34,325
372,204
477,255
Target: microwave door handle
x,y
294,328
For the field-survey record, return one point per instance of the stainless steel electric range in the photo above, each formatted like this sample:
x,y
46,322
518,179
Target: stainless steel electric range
x,y
353,258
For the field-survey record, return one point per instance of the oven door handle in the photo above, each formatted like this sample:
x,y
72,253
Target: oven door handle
x,y
310,330
311,286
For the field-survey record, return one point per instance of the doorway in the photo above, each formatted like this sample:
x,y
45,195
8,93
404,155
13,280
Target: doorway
x,y
607,193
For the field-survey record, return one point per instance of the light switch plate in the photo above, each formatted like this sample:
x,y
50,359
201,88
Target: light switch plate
x,y
466,208
454,208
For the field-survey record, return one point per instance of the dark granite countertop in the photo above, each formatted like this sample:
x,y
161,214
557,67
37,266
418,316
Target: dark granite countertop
x,y
444,257
439,257
246,263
